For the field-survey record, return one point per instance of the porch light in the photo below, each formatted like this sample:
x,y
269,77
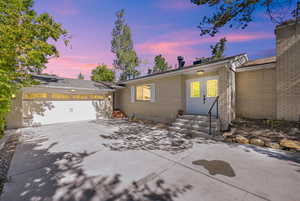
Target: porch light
x,y
200,72
73,90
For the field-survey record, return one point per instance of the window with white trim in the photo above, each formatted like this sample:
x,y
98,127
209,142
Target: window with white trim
x,y
143,92
212,88
195,89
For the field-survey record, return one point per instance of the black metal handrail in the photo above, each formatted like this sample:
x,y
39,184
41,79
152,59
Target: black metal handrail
x,y
210,110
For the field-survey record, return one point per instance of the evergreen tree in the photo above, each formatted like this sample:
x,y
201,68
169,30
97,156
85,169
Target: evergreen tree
x,y
80,76
24,47
218,49
126,59
102,73
160,64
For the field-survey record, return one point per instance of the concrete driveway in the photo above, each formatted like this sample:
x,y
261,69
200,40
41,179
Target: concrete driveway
x,y
66,162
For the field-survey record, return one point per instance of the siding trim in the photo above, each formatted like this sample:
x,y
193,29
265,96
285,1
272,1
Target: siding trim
x,y
153,93
257,67
132,94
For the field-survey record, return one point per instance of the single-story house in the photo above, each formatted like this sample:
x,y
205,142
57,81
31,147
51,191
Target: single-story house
x,y
231,87
192,89
267,88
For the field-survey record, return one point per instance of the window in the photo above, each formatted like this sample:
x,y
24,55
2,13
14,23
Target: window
x,y
212,88
143,92
195,89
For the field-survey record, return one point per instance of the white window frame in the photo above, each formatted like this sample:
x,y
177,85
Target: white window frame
x,y
152,93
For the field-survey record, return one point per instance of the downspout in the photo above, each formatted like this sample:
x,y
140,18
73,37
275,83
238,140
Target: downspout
x,y
233,64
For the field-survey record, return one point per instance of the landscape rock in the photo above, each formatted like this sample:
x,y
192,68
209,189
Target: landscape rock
x,y
241,139
291,144
271,132
294,131
228,139
230,133
161,126
257,142
272,145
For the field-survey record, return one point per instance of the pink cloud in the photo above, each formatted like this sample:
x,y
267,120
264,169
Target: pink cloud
x,y
68,67
168,49
247,37
83,58
191,37
185,43
71,66
175,4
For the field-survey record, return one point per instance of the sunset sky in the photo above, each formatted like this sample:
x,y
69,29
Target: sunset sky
x,y
167,27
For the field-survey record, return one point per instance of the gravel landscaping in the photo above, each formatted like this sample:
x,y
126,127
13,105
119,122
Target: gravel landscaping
x,y
267,133
6,154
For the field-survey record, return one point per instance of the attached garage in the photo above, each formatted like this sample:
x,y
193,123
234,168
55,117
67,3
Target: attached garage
x,y
57,112
59,100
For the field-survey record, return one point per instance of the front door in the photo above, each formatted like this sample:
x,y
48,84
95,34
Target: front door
x,y
201,93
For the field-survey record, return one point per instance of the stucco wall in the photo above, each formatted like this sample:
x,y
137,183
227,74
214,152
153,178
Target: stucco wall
x,y
169,93
256,94
170,97
288,71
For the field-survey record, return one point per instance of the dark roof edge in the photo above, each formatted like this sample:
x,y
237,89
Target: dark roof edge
x,y
287,23
252,65
68,87
184,68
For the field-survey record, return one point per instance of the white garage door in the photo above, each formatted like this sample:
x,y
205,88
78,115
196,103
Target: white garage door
x,y
36,113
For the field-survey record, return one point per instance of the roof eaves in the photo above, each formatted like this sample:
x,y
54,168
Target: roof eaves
x,y
184,69
110,85
75,88
260,64
257,67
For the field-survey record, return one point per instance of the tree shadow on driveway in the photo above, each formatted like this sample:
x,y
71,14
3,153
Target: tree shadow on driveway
x,y
273,153
60,177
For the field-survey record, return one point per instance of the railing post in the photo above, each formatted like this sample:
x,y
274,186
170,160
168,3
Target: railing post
x,y
218,108
210,123
216,102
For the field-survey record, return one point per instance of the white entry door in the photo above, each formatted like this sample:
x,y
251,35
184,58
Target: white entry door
x,y
201,93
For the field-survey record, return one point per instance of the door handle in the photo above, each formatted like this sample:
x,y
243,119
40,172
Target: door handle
x,y
204,99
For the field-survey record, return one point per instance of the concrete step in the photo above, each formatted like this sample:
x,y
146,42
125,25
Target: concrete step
x,y
197,117
180,120
190,128
198,128
194,124
192,132
194,127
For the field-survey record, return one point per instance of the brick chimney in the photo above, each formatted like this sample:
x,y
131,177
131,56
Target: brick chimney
x,y
288,70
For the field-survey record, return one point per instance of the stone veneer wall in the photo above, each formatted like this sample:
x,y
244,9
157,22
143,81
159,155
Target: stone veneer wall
x,y
225,90
14,118
288,71
104,107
